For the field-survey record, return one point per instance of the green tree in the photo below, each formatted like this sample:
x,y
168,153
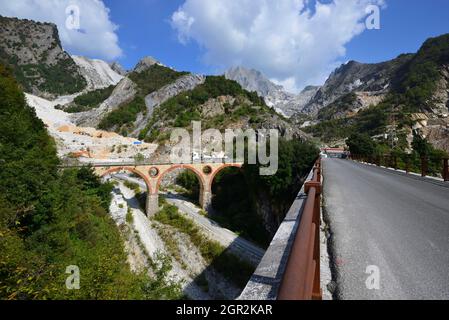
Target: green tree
x,y
421,146
361,144
50,219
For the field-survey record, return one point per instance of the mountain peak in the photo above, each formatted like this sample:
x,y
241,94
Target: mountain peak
x,y
97,73
117,67
145,63
33,51
252,80
274,95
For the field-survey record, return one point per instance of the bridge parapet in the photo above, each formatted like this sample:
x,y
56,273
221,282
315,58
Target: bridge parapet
x,y
290,268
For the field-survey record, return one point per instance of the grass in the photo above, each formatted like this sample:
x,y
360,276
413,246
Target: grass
x,y
133,186
129,216
228,264
170,243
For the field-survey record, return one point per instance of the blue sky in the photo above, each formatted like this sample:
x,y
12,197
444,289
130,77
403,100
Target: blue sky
x,y
145,29
293,42
405,25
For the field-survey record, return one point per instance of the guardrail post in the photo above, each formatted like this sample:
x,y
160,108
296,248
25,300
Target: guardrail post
x,y
407,164
395,162
446,169
424,166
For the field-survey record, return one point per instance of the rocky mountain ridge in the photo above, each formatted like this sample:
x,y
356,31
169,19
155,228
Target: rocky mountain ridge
x,y
33,51
373,79
400,98
118,68
275,96
145,63
97,73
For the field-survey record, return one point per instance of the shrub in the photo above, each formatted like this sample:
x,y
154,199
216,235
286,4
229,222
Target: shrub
x,y
221,259
361,144
93,99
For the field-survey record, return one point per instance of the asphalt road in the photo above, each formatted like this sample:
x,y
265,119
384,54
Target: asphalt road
x,y
396,223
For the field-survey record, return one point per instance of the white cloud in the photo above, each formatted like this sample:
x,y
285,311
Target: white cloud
x,y
96,36
294,42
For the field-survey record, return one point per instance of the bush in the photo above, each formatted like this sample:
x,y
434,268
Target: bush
x,y
133,186
125,114
213,252
189,181
129,216
92,99
361,144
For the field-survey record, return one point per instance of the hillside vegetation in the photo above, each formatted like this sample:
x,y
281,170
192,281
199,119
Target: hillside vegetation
x,y
362,145
412,91
253,205
218,257
51,219
148,81
188,106
33,51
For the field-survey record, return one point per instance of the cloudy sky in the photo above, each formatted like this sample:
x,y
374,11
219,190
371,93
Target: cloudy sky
x,y
293,42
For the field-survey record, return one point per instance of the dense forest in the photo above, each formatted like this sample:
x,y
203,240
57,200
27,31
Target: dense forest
x,y
51,219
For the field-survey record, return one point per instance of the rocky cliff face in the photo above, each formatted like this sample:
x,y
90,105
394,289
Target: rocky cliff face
x,y
354,77
414,88
125,91
298,102
275,96
155,99
33,50
97,73
436,126
118,68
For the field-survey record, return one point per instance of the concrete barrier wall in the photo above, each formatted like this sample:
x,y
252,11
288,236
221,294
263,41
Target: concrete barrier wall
x,y
266,280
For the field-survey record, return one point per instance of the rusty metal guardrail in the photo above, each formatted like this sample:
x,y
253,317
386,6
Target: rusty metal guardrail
x,y
392,162
301,280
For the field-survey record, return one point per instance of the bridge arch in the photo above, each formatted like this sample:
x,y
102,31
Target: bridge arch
x,y
133,170
197,173
221,168
204,192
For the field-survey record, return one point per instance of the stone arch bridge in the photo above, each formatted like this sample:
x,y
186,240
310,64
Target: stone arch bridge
x,y
153,174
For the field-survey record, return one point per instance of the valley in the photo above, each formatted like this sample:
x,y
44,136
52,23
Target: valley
x,y
75,131
118,116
